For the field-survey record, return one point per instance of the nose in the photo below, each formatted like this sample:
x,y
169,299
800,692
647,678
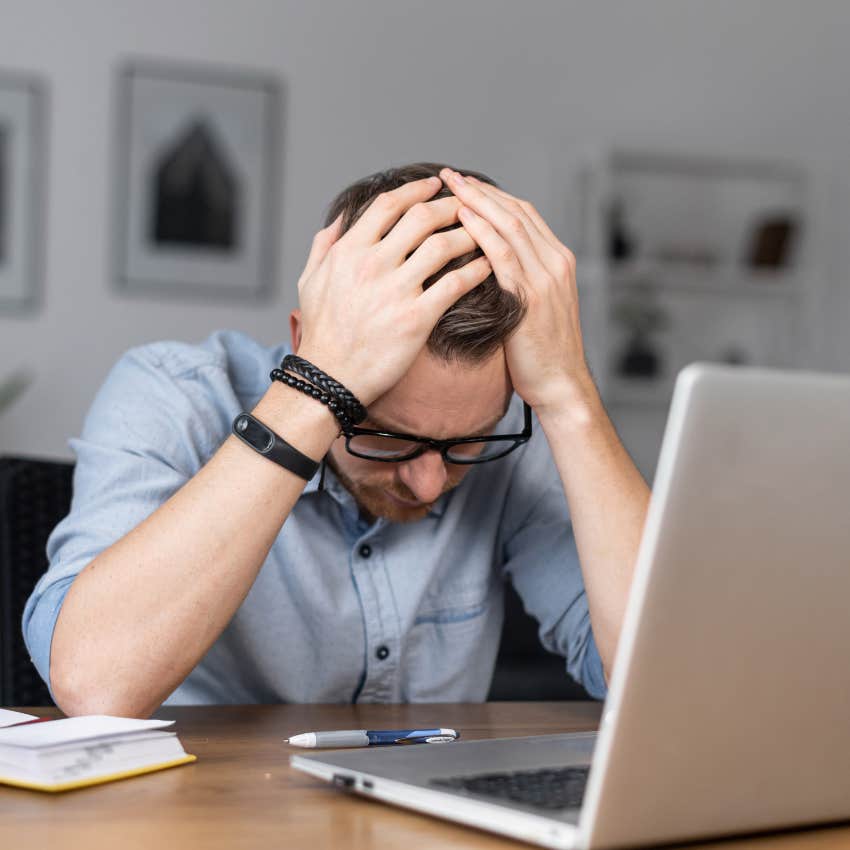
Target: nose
x,y
424,476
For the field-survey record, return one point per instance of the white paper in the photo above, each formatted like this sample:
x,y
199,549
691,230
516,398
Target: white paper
x,y
8,718
73,729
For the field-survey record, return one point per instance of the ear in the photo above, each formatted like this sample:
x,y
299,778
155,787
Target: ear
x,y
295,329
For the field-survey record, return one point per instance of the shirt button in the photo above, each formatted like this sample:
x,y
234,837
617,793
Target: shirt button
x,y
382,653
365,550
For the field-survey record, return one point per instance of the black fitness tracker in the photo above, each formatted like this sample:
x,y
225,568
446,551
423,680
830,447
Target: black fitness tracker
x,y
263,440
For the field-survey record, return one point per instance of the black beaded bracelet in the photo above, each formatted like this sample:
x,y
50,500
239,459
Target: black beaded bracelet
x,y
314,392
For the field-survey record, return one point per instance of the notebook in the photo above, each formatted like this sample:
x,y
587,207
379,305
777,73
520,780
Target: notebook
x,y
10,718
58,755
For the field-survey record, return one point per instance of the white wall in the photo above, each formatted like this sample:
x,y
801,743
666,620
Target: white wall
x,y
518,90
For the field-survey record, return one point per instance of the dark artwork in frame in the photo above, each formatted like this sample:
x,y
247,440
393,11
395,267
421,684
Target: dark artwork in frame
x,y
22,182
196,193
4,215
197,181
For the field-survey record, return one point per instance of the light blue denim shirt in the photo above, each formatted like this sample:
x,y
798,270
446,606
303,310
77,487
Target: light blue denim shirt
x,y
341,610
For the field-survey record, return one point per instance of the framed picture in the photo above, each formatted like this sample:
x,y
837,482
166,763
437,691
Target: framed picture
x,y
197,179
21,191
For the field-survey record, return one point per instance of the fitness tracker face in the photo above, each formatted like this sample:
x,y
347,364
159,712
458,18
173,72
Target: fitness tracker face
x,y
263,440
254,433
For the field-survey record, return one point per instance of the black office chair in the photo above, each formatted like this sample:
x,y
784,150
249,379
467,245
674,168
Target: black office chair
x,y
524,669
34,496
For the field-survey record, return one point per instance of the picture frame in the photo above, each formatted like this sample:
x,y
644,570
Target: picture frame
x,y
197,181
22,184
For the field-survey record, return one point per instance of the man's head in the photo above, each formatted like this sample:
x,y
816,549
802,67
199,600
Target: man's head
x,y
478,323
457,387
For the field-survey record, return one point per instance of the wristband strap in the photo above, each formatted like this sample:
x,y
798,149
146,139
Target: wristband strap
x,y
264,441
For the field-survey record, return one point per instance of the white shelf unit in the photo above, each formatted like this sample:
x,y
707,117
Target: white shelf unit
x,y
688,229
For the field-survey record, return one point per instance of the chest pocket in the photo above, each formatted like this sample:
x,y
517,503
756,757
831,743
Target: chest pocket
x,y
455,602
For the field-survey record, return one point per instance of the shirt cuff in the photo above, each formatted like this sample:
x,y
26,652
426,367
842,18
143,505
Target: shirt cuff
x,y
39,620
592,676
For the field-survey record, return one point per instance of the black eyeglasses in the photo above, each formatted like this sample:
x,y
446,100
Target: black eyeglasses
x,y
389,447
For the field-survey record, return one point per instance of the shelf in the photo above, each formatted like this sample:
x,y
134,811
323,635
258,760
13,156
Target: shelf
x,y
685,277
712,168
689,226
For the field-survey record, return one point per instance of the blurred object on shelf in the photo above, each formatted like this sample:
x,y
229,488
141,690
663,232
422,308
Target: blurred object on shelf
x,y
641,315
772,241
621,243
13,387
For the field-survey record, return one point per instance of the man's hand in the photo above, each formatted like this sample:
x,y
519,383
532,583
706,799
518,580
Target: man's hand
x,y
606,494
545,355
365,315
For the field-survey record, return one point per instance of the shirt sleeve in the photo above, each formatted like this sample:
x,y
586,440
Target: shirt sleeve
x,y
160,414
541,559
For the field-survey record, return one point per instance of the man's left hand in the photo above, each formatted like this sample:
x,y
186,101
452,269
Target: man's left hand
x,y
545,355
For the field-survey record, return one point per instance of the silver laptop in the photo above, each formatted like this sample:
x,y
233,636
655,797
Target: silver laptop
x,y
729,704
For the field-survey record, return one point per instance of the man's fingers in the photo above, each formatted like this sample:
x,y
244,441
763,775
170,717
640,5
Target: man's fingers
x,y
504,260
417,223
435,252
509,226
388,207
529,211
542,246
451,286
322,242
514,205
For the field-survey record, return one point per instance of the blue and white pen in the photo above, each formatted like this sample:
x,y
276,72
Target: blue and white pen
x,y
369,738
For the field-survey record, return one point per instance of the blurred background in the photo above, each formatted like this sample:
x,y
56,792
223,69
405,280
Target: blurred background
x,y
164,165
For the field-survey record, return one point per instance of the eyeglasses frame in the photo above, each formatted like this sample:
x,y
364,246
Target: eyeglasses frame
x,y
443,446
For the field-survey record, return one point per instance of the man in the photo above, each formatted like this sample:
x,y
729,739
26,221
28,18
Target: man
x,y
193,569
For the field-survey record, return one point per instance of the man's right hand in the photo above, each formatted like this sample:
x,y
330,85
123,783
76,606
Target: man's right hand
x,y
365,316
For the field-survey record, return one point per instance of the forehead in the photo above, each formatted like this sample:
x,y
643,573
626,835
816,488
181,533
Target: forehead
x,y
443,399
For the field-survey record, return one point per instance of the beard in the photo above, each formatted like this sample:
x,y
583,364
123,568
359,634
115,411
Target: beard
x,y
373,494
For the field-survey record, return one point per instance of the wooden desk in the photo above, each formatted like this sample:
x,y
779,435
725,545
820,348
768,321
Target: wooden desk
x,y
241,793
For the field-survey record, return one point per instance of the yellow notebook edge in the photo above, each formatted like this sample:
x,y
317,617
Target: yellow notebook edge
x,y
97,780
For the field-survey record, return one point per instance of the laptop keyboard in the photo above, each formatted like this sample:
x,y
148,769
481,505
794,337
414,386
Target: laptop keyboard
x,y
550,788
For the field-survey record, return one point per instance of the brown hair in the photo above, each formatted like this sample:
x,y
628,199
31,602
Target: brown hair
x,y
476,324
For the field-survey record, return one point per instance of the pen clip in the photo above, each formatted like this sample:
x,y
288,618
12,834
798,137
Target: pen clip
x,y
426,739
